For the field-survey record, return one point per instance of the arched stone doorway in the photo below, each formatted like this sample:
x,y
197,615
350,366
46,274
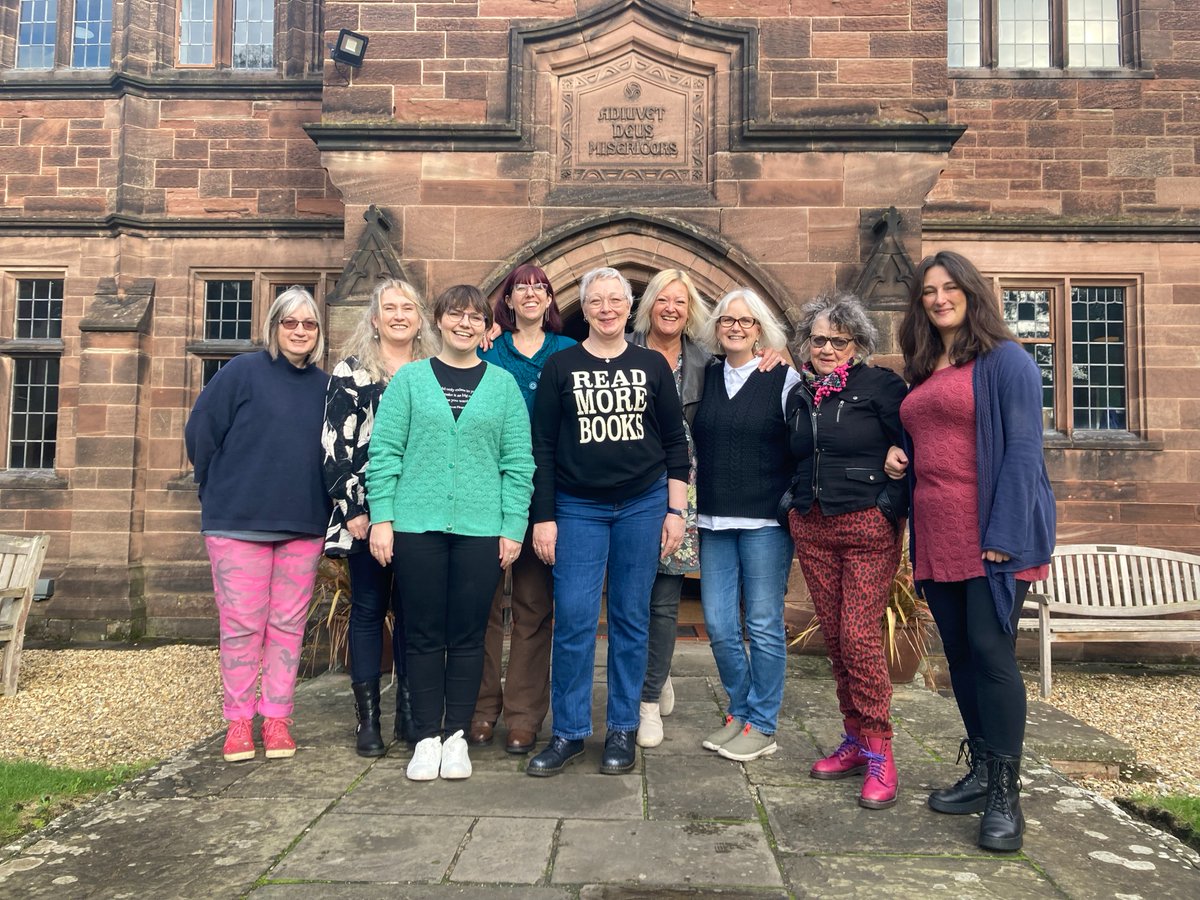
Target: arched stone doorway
x,y
639,245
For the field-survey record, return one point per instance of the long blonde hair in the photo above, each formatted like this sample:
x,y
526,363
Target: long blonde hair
x,y
364,342
697,309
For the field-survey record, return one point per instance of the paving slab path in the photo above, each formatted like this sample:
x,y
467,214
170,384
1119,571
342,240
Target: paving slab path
x,y
328,824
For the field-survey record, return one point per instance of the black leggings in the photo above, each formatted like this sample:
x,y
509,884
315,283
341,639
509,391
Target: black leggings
x,y
446,584
983,661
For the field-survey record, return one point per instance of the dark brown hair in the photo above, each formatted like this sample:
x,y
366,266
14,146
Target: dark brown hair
x,y
527,273
462,297
982,330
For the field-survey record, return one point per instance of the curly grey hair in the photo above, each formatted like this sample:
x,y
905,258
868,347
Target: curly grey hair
x,y
845,312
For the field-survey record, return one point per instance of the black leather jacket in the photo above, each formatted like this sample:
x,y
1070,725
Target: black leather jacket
x,y
695,360
842,444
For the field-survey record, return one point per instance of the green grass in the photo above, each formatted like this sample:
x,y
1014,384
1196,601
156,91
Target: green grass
x,y
32,794
1183,807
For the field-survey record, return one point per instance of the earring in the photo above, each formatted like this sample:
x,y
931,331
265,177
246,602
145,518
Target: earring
x,y
376,335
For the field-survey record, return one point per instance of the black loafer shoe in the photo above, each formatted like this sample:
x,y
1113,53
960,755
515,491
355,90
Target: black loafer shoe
x,y
555,757
620,753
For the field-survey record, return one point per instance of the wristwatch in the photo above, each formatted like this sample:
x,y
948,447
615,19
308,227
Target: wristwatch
x,y
676,512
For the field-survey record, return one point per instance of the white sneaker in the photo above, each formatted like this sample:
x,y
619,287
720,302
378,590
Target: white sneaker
x,y
426,761
650,732
456,763
666,698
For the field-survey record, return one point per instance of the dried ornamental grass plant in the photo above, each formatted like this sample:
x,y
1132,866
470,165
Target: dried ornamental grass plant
x,y
906,617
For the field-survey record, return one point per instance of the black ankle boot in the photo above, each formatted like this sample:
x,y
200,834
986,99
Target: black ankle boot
x,y
969,793
368,741
404,729
1002,824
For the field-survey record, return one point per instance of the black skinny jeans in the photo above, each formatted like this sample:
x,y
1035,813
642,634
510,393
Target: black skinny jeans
x,y
372,594
983,661
446,584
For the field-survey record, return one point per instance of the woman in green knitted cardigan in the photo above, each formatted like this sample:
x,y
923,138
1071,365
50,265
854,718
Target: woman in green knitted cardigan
x,y
449,480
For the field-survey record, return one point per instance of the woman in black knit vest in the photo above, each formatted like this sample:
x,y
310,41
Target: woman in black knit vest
x,y
743,466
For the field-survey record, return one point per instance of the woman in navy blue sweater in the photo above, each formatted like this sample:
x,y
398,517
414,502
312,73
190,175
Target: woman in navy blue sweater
x,y
254,438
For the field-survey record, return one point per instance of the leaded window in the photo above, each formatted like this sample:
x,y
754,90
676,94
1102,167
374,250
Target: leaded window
x,y
1038,34
1077,336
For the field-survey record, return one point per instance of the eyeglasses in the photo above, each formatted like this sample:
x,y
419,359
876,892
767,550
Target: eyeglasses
x,y
525,290
745,321
466,315
820,340
291,324
615,302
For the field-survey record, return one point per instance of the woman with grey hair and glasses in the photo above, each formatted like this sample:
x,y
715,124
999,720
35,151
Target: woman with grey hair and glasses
x,y
742,468
609,496
671,319
846,520
254,440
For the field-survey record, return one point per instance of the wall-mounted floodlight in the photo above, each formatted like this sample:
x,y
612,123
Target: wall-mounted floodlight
x,y
349,48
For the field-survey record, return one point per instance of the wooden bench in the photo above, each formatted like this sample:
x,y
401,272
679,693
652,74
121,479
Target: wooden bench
x,y
20,565
1113,592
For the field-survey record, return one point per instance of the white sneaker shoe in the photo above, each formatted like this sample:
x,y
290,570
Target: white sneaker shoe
x,y
666,698
426,761
456,764
650,732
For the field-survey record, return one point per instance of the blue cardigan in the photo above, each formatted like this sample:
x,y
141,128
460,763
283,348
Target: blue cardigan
x,y
1016,504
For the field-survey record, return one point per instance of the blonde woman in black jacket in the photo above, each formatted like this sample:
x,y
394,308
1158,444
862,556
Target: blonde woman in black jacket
x,y
845,520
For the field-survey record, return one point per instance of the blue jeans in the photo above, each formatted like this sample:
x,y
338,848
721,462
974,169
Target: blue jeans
x,y
372,594
594,537
757,560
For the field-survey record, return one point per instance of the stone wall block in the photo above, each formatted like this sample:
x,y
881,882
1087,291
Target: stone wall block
x,y
374,18
836,45
390,72
1182,191
20,160
780,235
43,132
415,45
909,45
787,38
735,9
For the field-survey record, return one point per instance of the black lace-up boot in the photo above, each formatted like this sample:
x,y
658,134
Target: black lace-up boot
x,y
969,793
1002,824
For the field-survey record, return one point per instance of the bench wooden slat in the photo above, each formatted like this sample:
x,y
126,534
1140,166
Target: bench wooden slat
x,y
1105,635
1113,592
20,565
1118,612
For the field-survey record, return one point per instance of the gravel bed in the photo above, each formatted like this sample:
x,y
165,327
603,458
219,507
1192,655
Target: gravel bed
x,y
1157,714
90,708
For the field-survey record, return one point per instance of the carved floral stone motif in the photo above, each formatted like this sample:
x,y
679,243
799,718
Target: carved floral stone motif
x,y
633,119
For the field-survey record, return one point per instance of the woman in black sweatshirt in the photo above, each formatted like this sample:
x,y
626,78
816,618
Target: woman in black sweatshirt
x,y
609,496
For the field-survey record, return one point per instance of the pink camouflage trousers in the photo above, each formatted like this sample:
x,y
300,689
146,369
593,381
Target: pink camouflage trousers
x,y
262,591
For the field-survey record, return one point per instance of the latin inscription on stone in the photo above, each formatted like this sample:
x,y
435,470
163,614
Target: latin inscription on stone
x,y
633,119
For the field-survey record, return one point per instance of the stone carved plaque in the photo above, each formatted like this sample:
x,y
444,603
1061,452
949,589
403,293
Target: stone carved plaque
x,y
633,119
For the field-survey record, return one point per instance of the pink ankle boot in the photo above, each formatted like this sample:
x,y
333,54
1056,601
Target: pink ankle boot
x,y
846,760
879,787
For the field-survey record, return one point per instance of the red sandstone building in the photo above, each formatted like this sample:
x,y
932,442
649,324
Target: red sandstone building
x,y
167,165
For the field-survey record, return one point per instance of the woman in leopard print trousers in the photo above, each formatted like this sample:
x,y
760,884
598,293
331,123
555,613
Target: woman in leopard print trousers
x,y
845,520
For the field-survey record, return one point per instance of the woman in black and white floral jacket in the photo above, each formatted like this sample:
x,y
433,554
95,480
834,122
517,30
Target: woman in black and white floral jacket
x,y
394,330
